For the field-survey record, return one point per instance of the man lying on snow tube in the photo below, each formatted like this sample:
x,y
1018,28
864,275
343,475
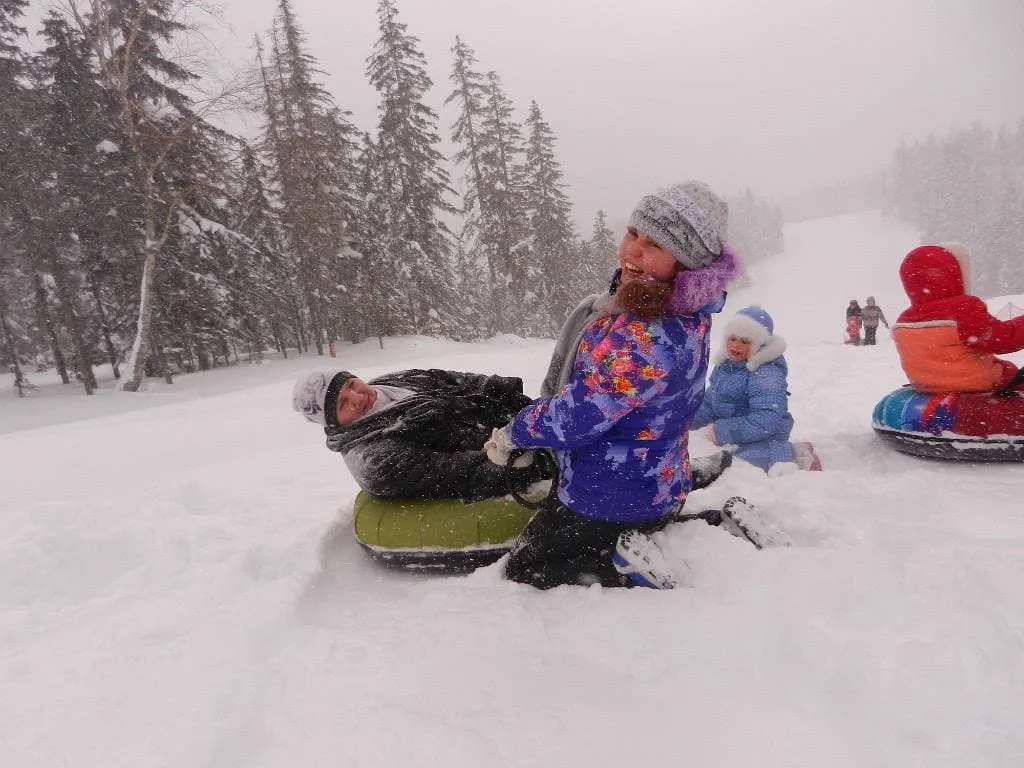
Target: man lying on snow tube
x,y
412,441
963,402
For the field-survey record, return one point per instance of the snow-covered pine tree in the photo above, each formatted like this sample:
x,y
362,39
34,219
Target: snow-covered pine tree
x,y
1015,154
15,317
278,153
899,189
93,207
415,184
602,255
262,281
312,145
1003,243
755,227
473,288
955,188
15,338
127,37
469,92
347,227
12,34
198,325
12,78
551,228
47,326
475,256
14,280
380,293
508,226
74,123
926,173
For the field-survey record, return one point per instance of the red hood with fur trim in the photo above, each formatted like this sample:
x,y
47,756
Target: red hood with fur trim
x,y
946,338
930,273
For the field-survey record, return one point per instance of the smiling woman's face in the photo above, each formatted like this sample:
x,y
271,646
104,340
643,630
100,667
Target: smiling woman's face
x,y
642,258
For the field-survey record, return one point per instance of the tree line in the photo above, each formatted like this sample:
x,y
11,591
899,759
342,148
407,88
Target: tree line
x,y
967,186
137,233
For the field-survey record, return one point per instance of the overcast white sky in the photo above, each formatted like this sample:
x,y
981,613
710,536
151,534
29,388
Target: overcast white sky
x,y
778,95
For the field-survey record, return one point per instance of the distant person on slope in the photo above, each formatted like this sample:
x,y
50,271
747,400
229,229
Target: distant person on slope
x,y
871,315
947,340
417,434
853,321
619,415
746,404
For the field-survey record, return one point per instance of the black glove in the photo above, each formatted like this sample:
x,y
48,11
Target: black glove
x,y
507,391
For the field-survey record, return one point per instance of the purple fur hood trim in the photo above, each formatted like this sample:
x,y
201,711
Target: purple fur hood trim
x,y
696,288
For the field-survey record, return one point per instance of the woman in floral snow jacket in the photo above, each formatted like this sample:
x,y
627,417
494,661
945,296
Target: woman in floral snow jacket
x,y
619,425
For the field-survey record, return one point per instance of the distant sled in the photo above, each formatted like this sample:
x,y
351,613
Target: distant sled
x,y
955,426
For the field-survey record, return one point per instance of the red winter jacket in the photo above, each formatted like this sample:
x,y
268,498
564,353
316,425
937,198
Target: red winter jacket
x,y
947,340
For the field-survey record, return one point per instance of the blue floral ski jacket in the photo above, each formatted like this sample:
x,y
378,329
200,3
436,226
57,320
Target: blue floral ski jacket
x,y
619,427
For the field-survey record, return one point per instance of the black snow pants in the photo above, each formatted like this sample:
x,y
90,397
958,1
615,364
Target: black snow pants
x,y
869,334
560,547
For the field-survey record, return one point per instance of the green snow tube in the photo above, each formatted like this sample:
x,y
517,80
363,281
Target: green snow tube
x,y
438,534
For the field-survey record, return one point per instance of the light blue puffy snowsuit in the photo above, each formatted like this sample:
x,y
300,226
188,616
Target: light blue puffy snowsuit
x,y
749,406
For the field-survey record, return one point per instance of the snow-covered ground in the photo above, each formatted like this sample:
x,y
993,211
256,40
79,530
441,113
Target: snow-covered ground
x,y
179,585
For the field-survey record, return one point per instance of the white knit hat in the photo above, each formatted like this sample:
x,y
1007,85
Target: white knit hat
x,y
315,395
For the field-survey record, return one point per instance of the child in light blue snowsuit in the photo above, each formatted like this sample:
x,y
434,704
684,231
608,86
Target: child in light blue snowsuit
x,y
746,402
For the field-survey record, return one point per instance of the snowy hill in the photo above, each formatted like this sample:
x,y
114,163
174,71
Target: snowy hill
x,y
180,586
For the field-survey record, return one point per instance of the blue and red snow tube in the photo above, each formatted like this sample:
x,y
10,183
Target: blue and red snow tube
x,y
962,426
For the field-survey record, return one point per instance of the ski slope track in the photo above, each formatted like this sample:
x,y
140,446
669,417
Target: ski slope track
x,y
180,587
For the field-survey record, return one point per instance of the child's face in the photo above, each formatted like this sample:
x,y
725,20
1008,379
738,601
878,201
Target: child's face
x,y
737,349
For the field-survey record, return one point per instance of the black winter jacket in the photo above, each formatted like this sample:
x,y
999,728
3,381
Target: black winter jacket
x,y
429,445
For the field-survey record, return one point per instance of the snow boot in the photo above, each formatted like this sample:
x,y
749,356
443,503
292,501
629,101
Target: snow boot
x,y
706,469
805,457
746,521
639,558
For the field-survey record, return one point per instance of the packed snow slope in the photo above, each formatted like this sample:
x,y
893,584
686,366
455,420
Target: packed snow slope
x,y
180,587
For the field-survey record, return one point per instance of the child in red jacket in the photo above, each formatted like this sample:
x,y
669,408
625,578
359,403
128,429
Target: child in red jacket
x,y
947,340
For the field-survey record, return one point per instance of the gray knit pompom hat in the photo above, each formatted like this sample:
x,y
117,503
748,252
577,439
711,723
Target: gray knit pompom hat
x,y
688,220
